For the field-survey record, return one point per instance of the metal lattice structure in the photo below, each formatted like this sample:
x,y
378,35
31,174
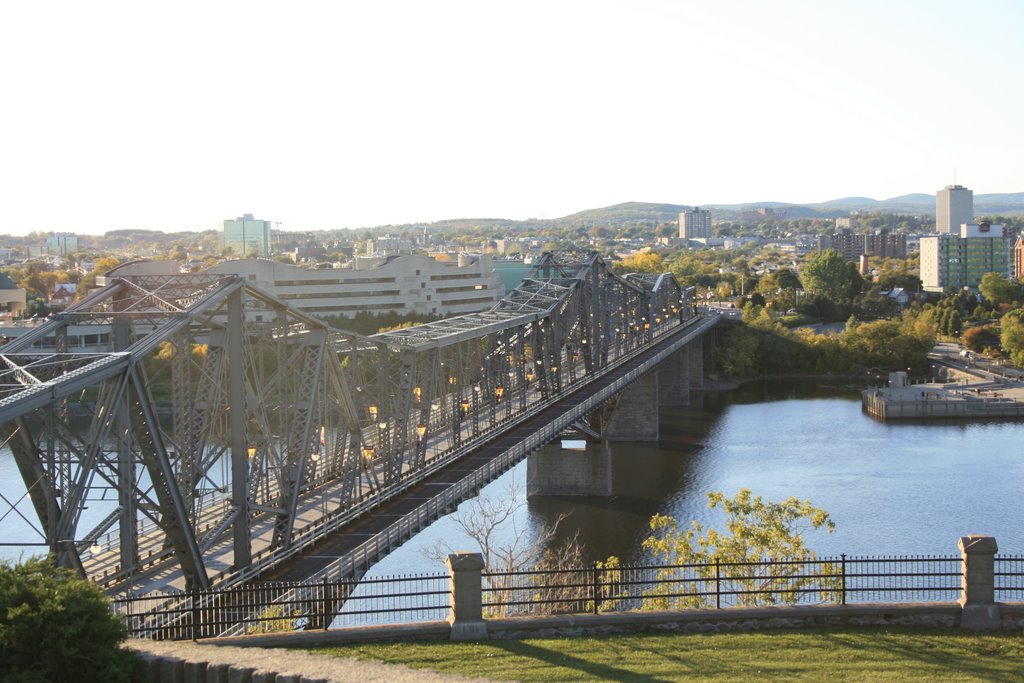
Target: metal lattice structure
x,y
219,429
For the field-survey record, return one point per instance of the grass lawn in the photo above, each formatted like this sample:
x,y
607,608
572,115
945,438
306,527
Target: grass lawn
x,y
837,654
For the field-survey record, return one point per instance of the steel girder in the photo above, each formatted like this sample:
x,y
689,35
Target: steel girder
x,y
229,427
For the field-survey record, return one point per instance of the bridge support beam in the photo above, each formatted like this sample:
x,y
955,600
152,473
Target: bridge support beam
x,y
674,380
635,417
554,471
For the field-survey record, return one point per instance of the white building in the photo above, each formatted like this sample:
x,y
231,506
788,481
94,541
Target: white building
x,y
954,206
961,260
695,224
404,284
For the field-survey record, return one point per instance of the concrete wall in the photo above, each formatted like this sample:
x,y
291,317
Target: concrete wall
x,y
635,417
552,470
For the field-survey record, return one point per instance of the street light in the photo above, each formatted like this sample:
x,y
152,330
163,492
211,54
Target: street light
x,y
367,451
373,411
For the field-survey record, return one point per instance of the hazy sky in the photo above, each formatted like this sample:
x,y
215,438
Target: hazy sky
x,y
176,115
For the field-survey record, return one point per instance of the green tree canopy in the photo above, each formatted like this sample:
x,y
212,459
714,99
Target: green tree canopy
x,y
1012,338
830,274
997,289
756,530
55,626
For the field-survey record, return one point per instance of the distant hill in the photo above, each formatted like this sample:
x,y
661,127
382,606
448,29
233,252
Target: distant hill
x,y
628,212
649,213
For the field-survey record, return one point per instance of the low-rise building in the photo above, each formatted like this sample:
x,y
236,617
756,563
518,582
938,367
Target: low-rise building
x,y
852,245
404,284
12,297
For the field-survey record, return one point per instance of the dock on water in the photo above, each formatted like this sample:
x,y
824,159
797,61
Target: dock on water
x,y
974,397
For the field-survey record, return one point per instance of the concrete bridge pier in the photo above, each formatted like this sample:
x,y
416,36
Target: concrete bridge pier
x,y
555,471
633,416
681,373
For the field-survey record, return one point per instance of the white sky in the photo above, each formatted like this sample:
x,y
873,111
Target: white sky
x,y
176,115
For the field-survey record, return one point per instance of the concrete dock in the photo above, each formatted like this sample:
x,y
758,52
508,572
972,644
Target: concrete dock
x,y
969,392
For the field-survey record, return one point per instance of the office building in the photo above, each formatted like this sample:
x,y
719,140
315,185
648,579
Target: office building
x,y
959,261
695,224
954,206
246,236
61,244
1018,259
404,284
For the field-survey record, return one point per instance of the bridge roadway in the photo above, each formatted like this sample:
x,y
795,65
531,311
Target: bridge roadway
x,y
338,555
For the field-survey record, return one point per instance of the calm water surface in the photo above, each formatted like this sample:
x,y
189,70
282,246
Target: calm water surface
x,y
890,488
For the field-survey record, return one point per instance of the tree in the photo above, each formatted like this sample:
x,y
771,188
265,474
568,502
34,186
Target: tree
x,y
830,274
55,626
105,264
757,531
1011,338
998,290
647,262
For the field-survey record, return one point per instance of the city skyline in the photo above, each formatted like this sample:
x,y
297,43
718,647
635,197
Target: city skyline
x,y
329,116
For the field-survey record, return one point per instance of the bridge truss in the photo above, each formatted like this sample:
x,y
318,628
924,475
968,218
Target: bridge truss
x,y
219,429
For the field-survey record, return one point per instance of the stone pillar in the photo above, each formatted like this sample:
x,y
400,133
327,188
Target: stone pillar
x,y
674,379
467,616
555,471
635,417
695,359
977,582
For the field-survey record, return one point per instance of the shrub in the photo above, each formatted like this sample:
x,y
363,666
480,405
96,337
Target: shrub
x,y
55,626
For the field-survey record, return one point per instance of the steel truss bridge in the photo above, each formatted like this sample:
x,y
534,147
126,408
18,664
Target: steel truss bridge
x,y
220,431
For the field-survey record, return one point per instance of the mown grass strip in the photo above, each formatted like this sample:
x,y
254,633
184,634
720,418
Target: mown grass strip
x,y
839,654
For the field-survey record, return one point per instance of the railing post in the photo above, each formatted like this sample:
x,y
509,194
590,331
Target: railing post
x,y
195,613
328,611
843,572
718,585
977,582
466,597
597,588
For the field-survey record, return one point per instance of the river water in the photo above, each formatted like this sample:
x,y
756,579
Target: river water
x,y
892,489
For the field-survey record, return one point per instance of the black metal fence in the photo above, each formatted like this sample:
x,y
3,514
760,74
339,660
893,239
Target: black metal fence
x,y
1009,578
839,580
282,607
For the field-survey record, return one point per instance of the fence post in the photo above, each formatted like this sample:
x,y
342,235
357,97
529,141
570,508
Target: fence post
x,y
843,594
195,613
977,582
718,585
328,604
597,588
466,598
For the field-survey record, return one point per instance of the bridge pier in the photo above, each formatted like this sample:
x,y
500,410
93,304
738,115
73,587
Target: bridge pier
x,y
552,470
635,415
555,471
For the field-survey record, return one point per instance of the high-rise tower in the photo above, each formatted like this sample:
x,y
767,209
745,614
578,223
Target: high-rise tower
x,y
954,206
695,224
